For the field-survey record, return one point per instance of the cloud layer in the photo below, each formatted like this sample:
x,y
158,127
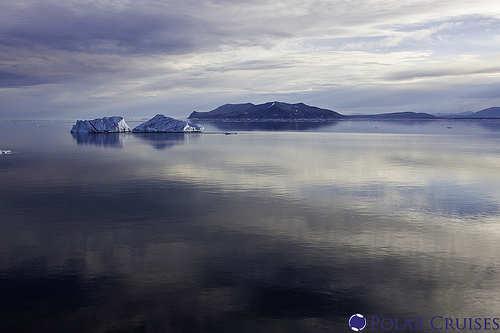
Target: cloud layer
x,y
85,58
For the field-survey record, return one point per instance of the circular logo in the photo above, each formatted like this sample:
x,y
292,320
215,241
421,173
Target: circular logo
x,y
357,322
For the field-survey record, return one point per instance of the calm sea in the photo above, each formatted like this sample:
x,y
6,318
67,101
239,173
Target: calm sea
x,y
279,228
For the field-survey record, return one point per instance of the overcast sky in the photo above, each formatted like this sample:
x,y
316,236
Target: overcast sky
x,y
73,59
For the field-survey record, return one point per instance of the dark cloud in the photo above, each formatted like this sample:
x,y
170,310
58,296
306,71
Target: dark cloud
x,y
140,28
8,79
94,30
51,42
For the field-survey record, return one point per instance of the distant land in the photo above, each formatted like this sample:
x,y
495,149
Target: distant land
x,y
395,115
300,111
267,111
483,114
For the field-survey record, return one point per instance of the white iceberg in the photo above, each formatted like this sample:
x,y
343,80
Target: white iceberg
x,y
162,124
101,125
5,152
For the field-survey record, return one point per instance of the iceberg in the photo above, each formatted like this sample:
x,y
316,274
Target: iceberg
x,y
162,124
101,125
5,152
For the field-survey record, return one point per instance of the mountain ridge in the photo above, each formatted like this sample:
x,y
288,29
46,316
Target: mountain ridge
x,y
287,111
493,112
300,111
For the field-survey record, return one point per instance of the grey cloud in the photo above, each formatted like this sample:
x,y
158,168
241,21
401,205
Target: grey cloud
x,y
99,31
396,98
81,57
143,27
251,65
348,100
445,35
465,24
440,72
8,79
484,91
372,43
450,35
55,41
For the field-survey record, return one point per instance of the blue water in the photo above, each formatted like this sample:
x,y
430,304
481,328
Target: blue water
x,y
284,227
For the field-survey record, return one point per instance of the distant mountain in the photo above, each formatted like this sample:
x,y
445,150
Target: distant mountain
x,y
454,115
285,111
267,111
487,113
396,116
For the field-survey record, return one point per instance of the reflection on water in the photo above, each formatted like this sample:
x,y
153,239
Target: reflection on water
x,y
115,140
166,140
268,125
416,126
98,139
261,231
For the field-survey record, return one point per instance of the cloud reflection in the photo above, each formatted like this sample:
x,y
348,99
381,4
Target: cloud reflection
x,y
272,232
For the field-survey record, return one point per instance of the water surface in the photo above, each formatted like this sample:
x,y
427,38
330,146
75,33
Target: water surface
x,y
280,228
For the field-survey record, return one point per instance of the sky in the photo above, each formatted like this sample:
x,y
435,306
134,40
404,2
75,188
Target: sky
x,y
82,59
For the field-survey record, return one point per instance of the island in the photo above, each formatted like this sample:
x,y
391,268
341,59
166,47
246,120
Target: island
x,y
272,111
267,111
